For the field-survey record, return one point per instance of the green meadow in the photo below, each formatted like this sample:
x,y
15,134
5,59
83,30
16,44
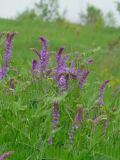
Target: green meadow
x,y
26,116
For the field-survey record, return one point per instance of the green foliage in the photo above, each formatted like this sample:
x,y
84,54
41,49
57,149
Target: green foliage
x,y
110,19
93,17
48,9
26,115
27,14
118,6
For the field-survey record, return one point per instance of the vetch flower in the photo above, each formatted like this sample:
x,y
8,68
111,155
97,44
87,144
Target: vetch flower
x,y
44,57
34,67
55,120
102,89
73,71
83,78
77,123
59,55
8,49
62,72
55,115
6,155
2,73
41,66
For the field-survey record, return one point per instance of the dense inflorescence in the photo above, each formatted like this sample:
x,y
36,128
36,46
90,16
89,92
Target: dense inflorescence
x,y
41,67
77,123
62,72
102,90
55,120
7,54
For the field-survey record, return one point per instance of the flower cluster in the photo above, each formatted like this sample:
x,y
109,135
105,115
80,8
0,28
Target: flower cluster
x,y
83,78
102,89
8,49
7,54
55,119
62,73
41,66
77,123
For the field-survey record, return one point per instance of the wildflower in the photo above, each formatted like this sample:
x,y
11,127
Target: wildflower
x,y
62,72
44,43
58,56
60,61
77,123
6,155
102,89
2,73
44,61
73,71
83,78
8,49
78,118
55,120
34,67
41,66
55,115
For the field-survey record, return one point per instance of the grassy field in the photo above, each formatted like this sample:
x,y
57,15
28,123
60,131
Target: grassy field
x,y
26,116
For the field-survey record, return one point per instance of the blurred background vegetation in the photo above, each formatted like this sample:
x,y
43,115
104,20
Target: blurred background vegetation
x,y
49,10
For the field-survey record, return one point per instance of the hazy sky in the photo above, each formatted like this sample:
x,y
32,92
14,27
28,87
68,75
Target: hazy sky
x,y
9,8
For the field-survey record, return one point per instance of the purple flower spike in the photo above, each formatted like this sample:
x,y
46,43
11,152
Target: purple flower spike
x,y
42,65
55,121
58,56
63,82
102,89
78,118
73,72
77,123
44,43
55,115
83,79
44,61
62,72
2,73
34,67
6,155
8,49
